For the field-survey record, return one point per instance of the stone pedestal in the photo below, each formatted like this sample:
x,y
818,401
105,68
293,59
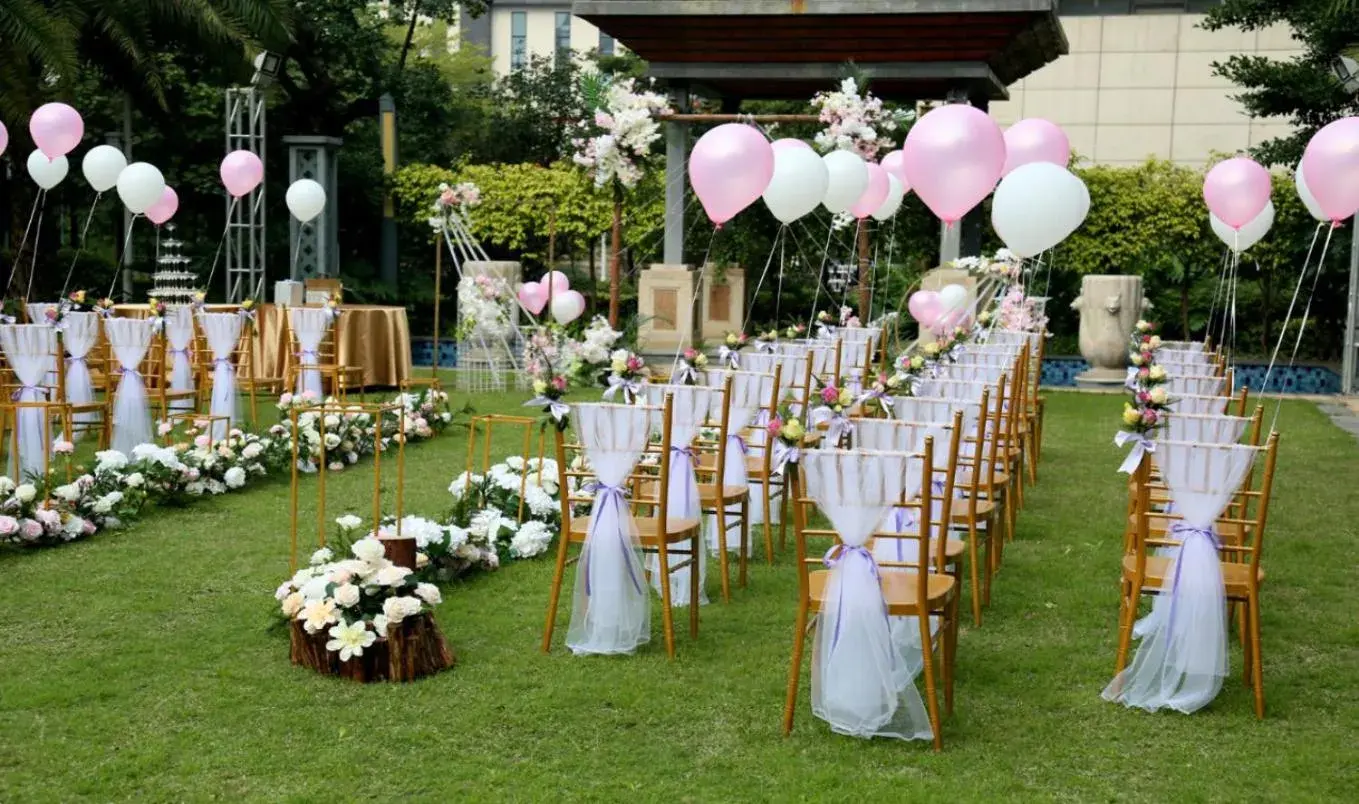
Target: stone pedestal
x,y
669,318
723,303
1109,308
937,278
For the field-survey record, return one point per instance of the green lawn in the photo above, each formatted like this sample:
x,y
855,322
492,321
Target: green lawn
x,y
141,665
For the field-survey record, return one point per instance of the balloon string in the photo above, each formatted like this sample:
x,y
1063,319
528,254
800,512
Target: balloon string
x,y
80,248
18,254
1302,326
218,253
1217,291
778,236
1283,330
698,288
297,249
778,295
37,238
811,318
127,238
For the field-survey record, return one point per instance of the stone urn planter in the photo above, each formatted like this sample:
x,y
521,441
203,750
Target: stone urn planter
x,y
1109,308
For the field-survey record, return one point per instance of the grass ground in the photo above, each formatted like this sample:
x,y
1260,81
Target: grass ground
x,y
141,665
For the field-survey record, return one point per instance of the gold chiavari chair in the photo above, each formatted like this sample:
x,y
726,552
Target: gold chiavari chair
x,y
718,496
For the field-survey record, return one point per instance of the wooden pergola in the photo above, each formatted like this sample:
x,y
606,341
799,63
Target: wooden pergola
x,y
963,51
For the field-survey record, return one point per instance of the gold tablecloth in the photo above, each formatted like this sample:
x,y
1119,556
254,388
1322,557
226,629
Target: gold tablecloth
x,y
376,338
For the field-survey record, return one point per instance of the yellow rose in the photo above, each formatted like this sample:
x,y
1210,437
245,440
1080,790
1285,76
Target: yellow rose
x,y
793,431
846,398
1159,396
917,362
1135,358
931,348
1156,341
1157,373
539,387
731,339
1131,416
701,360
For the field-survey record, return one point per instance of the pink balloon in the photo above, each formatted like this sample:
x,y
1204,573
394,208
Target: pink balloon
x,y
873,195
789,142
730,167
56,129
1035,140
895,164
1331,163
925,307
242,172
953,319
4,138
1238,189
164,209
953,158
559,282
533,295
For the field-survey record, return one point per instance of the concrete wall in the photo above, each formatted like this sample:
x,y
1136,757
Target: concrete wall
x,y
541,27
1141,85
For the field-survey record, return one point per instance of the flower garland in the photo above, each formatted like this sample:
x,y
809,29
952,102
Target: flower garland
x,y
855,121
483,308
616,142
1019,313
1145,412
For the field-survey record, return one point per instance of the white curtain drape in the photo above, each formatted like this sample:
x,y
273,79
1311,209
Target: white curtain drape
x,y
310,325
179,333
79,334
749,392
861,683
130,338
1182,658
31,350
223,331
690,407
611,612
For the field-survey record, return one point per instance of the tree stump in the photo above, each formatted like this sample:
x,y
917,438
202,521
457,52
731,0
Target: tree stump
x,y
412,649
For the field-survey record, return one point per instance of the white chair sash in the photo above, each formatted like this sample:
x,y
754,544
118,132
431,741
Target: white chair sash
x,y
861,683
179,334
611,609
130,338
690,407
31,349
309,325
1182,659
79,334
223,331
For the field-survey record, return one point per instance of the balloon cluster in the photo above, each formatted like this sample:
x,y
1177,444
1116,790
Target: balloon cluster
x,y
942,310
567,304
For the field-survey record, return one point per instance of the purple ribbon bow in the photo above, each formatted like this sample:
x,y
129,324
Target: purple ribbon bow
x,y
557,410
1141,446
729,356
1184,531
630,388
615,496
832,559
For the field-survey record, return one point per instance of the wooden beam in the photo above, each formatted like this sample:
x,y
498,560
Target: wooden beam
x,y
739,8
738,118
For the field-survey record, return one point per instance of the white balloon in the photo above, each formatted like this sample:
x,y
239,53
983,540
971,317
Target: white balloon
x,y
140,185
47,173
1308,200
952,297
848,180
1248,235
567,307
1037,206
896,193
101,167
306,199
799,183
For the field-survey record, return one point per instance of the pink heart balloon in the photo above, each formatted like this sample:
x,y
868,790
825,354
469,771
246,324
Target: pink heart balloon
x,y
729,168
1035,140
873,195
954,156
242,172
895,164
164,209
1331,163
1237,190
789,142
925,307
533,295
4,139
56,129
558,282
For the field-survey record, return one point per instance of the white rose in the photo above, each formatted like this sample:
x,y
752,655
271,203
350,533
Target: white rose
x,y
234,477
369,550
429,593
195,489
391,576
347,595
292,604
251,451
399,608
332,420
349,522
332,441
322,556
134,480
6,485
25,492
70,492
380,625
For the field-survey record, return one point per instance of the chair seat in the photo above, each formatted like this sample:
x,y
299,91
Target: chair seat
x,y
1235,575
959,511
898,589
707,493
676,530
1000,480
755,467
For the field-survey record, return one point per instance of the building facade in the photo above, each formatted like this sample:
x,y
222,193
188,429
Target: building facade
x,y
1138,81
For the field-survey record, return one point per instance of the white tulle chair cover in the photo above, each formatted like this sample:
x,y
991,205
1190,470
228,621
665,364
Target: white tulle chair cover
x,y
31,350
611,610
861,683
1184,357
130,338
689,408
749,393
1214,405
37,311
1178,385
179,334
309,325
989,375
959,390
79,334
1182,658
223,331
1205,429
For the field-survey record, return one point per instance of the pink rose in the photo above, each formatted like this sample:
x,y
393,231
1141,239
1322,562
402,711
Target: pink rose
x,y
63,448
8,526
202,442
31,529
829,394
87,527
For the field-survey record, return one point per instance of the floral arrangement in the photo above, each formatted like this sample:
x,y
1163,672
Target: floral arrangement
x,y
794,331
834,412
910,366
627,371
615,143
855,121
691,362
549,394
342,434
1146,410
483,308
551,351
768,341
732,344
1003,264
457,199
157,314
788,437
1018,313
881,394
826,324
82,301
249,308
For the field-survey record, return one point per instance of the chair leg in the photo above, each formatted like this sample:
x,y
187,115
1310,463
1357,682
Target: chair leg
x,y
721,516
667,618
743,559
1257,669
794,669
696,544
766,492
783,516
950,637
1127,615
974,568
1244,633
931,694
557,574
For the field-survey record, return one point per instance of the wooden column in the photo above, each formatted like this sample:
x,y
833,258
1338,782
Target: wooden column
x,y
865,278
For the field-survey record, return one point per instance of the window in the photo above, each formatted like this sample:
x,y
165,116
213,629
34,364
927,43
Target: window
x,y
518,39
605,44
563,37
